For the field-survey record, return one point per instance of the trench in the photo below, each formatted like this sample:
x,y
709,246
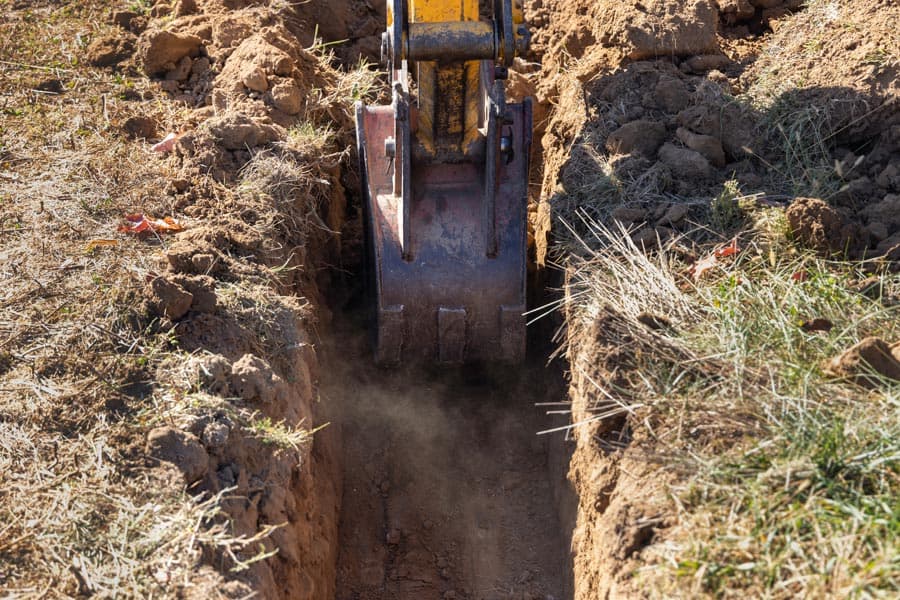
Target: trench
x,y
448,491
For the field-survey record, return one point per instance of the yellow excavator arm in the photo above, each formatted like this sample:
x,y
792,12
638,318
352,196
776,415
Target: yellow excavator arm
x,y
445,183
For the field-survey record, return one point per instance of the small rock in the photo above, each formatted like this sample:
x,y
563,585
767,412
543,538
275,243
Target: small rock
x,y
684,162
868,362
707,145
642,136
180,448
254,78
159,51
287,97
169,299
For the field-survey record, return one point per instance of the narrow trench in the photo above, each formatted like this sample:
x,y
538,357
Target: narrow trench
x,y
447,490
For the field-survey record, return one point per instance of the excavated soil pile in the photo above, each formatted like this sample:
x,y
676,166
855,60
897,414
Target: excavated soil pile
x,y
655,108
656,102
256,167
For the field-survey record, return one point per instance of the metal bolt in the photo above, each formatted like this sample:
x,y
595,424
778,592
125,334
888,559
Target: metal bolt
x,y
390,147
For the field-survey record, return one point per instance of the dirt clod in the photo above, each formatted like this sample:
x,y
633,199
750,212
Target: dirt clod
x,y
868,363
202,289
641,136
287,97
710,147
140,127
650,28
686,163
237,131
180,448
254,78
168,298
818,226
160,51
110,50
253,379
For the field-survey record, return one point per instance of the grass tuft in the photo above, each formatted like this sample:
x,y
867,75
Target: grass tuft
x,y
789,479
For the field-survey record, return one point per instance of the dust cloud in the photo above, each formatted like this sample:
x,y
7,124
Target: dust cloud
x,y
448,491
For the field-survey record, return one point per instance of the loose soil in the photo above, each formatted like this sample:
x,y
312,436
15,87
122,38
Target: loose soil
x,y
448,491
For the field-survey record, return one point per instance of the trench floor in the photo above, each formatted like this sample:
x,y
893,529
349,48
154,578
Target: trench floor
x,y
448,491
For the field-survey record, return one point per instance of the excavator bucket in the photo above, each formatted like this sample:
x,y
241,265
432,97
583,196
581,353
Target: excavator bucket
x,y
445,181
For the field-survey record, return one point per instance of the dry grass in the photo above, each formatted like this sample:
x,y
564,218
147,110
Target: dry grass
x,y
84,371
789,479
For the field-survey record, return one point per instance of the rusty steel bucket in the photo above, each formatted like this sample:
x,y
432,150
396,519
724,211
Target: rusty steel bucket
x,y
447,256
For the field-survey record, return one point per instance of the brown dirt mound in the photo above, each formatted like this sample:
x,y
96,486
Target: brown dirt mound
x,y
816,225
871,363
257,207
638,132
764,100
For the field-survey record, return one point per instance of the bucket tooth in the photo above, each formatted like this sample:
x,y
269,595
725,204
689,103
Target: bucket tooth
x,y
451,335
